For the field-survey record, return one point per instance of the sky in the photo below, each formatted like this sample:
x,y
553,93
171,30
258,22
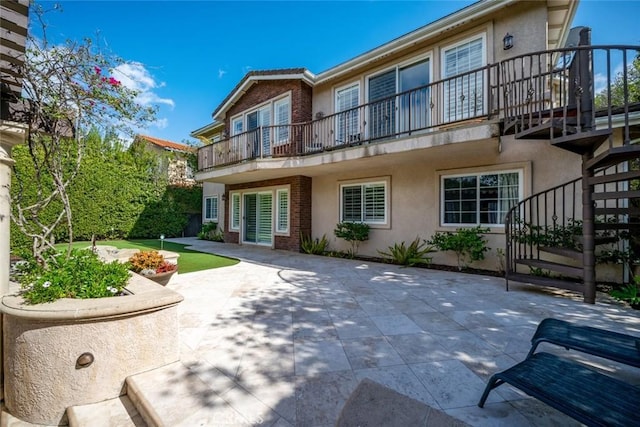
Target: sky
x,y
186,56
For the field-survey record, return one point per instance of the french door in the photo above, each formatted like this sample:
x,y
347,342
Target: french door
x,y
258,218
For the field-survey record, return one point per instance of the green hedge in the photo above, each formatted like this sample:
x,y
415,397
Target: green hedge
x,y
118,193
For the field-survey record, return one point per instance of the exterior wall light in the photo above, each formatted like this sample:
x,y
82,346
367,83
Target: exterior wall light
x,y
161,241
507,42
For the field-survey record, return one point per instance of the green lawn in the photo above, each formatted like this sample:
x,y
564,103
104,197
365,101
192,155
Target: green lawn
x,y
188,262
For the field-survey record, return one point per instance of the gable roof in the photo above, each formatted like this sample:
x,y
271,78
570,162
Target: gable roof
x,y
254,76
169,145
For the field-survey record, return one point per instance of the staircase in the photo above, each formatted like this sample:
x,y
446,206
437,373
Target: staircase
x,y
553,236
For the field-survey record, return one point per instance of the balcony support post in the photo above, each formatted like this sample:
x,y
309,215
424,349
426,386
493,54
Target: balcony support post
x,y
588,234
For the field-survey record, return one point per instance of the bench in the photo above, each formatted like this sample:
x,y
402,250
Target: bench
x,y
598,342
583,393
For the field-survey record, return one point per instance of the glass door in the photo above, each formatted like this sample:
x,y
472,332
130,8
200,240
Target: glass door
x,y
414,105
258,218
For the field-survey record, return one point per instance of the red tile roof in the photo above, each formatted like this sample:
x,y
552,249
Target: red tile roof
x,y
165,144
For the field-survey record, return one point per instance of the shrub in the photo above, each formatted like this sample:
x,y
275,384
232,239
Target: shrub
x,y
81,275
415,253
629,293
354,233
314,246
210,231
148,263
468,243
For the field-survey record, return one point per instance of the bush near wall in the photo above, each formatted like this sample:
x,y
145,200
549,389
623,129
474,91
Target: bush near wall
x,y
118,193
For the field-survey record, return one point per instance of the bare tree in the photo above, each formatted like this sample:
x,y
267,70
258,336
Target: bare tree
x,y
68,89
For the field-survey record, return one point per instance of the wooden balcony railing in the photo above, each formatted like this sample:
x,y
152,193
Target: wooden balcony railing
x,y
470,95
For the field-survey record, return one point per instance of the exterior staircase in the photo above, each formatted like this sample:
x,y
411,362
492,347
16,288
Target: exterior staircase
x,y
552,236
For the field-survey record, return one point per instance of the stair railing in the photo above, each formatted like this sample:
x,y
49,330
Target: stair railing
x,y
548,218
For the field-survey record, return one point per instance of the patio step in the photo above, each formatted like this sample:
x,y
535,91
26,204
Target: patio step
x,y
174,396
118,412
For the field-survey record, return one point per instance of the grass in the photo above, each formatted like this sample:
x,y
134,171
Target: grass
x,y
188,262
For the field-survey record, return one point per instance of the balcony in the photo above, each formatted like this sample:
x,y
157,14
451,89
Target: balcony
x,y
469,96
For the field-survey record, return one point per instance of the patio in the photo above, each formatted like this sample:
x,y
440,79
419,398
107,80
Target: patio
x,y
284,338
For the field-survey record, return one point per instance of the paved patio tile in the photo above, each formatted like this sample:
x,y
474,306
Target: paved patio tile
x,y
418,348
320,398
398,324
370,352
287,337
401,379
356,327
451,384
313,357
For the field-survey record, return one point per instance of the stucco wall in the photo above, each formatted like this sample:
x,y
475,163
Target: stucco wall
x,y
415,189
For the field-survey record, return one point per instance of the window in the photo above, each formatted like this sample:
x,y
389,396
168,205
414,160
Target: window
x,y
235,211
410,110
348,122
281,115
282,213
479,199
236,126
365,202
211,208
463,96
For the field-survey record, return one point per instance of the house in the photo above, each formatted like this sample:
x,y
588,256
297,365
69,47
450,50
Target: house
x,y
469,120
178,167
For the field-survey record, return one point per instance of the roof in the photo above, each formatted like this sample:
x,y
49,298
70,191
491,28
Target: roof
x,y
207,128
254,76
170,145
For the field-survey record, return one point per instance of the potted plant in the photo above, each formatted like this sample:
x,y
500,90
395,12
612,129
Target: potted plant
x,y
152,265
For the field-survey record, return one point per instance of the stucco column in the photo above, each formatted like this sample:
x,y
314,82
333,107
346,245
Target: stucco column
x,y
10,134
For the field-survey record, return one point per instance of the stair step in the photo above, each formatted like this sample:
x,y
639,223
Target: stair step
x,y
546,281
174,395
617,226
614,156
618,211
118,412
614,177
607,195
582,142
550,128
599,240
565,252
553,266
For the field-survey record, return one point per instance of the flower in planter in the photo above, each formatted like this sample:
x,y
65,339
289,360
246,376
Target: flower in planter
x,y
149,263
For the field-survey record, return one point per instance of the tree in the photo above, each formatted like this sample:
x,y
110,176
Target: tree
x,y
618,84
69,90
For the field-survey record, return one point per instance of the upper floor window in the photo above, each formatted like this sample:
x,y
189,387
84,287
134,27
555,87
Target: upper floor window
x,y
410,109
464,96
481,198
348,122
269,123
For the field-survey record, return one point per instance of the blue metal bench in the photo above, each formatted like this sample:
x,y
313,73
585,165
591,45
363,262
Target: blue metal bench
x,y
599,342
582,393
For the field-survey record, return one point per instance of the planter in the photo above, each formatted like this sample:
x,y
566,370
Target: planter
x,y
162,278
75,352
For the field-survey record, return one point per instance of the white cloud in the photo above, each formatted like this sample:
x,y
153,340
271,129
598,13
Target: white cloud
x,y
600,79
135,76
161,123
221,73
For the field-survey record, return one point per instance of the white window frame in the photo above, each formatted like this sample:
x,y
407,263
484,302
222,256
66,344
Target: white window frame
x,y
279,229
206,212
237,120
281,135
478,174
232,211
443,65
363,183
351,134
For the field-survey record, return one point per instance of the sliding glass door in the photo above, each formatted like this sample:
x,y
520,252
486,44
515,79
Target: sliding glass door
x,y
258,218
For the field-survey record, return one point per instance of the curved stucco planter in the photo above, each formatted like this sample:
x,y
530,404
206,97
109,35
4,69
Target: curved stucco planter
x,y
43,343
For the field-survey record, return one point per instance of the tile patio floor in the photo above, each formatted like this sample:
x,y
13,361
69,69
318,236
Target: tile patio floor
x,y
283,338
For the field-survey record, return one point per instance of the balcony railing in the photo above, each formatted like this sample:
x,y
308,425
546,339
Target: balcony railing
x,y
471,95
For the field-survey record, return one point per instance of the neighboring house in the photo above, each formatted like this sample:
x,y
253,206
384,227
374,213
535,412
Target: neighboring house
x,y
179,170
451,125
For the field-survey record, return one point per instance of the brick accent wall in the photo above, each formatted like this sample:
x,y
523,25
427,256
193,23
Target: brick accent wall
x,y
264,90
299,210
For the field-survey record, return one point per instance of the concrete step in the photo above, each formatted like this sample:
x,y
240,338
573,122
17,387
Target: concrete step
x,y
175,396
118,412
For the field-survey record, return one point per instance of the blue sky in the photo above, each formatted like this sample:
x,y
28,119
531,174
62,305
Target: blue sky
x,y
194,52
